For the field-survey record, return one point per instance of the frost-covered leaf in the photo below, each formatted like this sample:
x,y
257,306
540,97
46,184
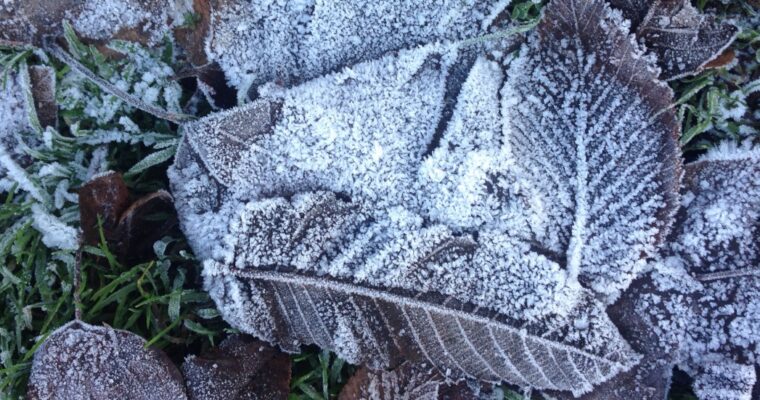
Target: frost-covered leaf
x,y
81,361
24,22
240,368
588,125
17,126
725,380
292,41
438,205
719,225
699,307
683,39
386,245
407,382
650,378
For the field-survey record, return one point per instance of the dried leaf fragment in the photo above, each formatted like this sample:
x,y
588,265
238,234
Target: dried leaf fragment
x,y
130,227
27,22
240,368
406,382
81,361
683,39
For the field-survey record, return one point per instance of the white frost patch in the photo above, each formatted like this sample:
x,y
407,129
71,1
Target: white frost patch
x,y
55,234
101,19
291,41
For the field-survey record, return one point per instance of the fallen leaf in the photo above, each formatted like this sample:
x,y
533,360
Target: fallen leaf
x,y
28,22
698,308
406,382
82,361
129,227
240,368
684,40
247,39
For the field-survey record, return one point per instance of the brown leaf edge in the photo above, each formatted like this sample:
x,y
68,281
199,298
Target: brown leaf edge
x,y
80,360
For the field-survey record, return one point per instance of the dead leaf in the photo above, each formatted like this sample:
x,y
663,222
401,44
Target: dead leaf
x,y
406,382
43,84
241,368
82,361
684,40
192,37
28,22
130,227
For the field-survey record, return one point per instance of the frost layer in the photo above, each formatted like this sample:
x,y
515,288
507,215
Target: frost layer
x,y
292,41
438,205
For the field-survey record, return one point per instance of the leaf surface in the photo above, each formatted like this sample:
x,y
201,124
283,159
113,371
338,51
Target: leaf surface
x,y
240,368
589,128
684,40
81,361
247,39
698,307
406,382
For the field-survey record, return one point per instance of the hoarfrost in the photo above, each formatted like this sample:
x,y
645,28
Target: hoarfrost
x,y
55,234
435,171
297,40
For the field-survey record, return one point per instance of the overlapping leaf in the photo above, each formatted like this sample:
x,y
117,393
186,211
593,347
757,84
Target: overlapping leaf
x,y
432,205
293,41
588,125
240,368
407,382
699,308
30,21
683,39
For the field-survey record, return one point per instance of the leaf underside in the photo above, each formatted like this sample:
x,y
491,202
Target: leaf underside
x,y
382,329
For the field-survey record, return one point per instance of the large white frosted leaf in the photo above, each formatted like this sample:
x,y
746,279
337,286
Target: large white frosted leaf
x,y
81,361
588,125
291,41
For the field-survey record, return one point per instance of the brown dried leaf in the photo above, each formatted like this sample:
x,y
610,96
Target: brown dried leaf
x,y
43,83
192,38
82,361
406,382
683,39
27,22
241,368
130,228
